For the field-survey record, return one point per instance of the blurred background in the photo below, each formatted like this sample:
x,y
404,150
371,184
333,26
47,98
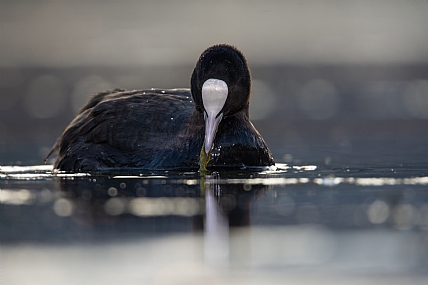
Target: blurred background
x,y
329,77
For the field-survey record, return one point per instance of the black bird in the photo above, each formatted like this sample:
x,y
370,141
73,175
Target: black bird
x,y
160,129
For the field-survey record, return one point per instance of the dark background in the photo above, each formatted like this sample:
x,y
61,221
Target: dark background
x,y
333,82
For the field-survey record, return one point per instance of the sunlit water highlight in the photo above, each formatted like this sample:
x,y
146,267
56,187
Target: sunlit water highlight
x,y
41,172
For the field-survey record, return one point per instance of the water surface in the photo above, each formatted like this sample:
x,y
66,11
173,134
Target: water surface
x,y
360,223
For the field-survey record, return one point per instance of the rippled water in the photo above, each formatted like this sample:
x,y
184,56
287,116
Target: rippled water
x,y
338,223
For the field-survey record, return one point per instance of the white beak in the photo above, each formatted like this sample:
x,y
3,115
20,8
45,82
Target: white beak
x,y
214,95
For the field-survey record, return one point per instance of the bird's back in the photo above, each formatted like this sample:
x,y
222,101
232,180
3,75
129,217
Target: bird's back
x,y
121,128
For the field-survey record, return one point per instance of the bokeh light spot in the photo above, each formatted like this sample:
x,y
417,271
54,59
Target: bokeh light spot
x,y
378,212
403,216
63,207
112,191
115,206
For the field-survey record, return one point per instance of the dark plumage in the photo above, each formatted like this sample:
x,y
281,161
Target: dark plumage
x,y
164,129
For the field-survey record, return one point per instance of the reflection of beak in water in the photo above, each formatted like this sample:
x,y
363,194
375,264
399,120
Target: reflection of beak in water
x,y
233,201
226,206
216,230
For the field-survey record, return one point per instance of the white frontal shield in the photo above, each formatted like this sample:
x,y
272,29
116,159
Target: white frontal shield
x,y
214,95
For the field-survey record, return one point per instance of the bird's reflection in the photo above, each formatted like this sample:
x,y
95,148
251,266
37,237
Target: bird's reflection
x,y
208,201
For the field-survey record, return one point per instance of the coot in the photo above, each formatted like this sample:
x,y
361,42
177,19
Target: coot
x,y
161,129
